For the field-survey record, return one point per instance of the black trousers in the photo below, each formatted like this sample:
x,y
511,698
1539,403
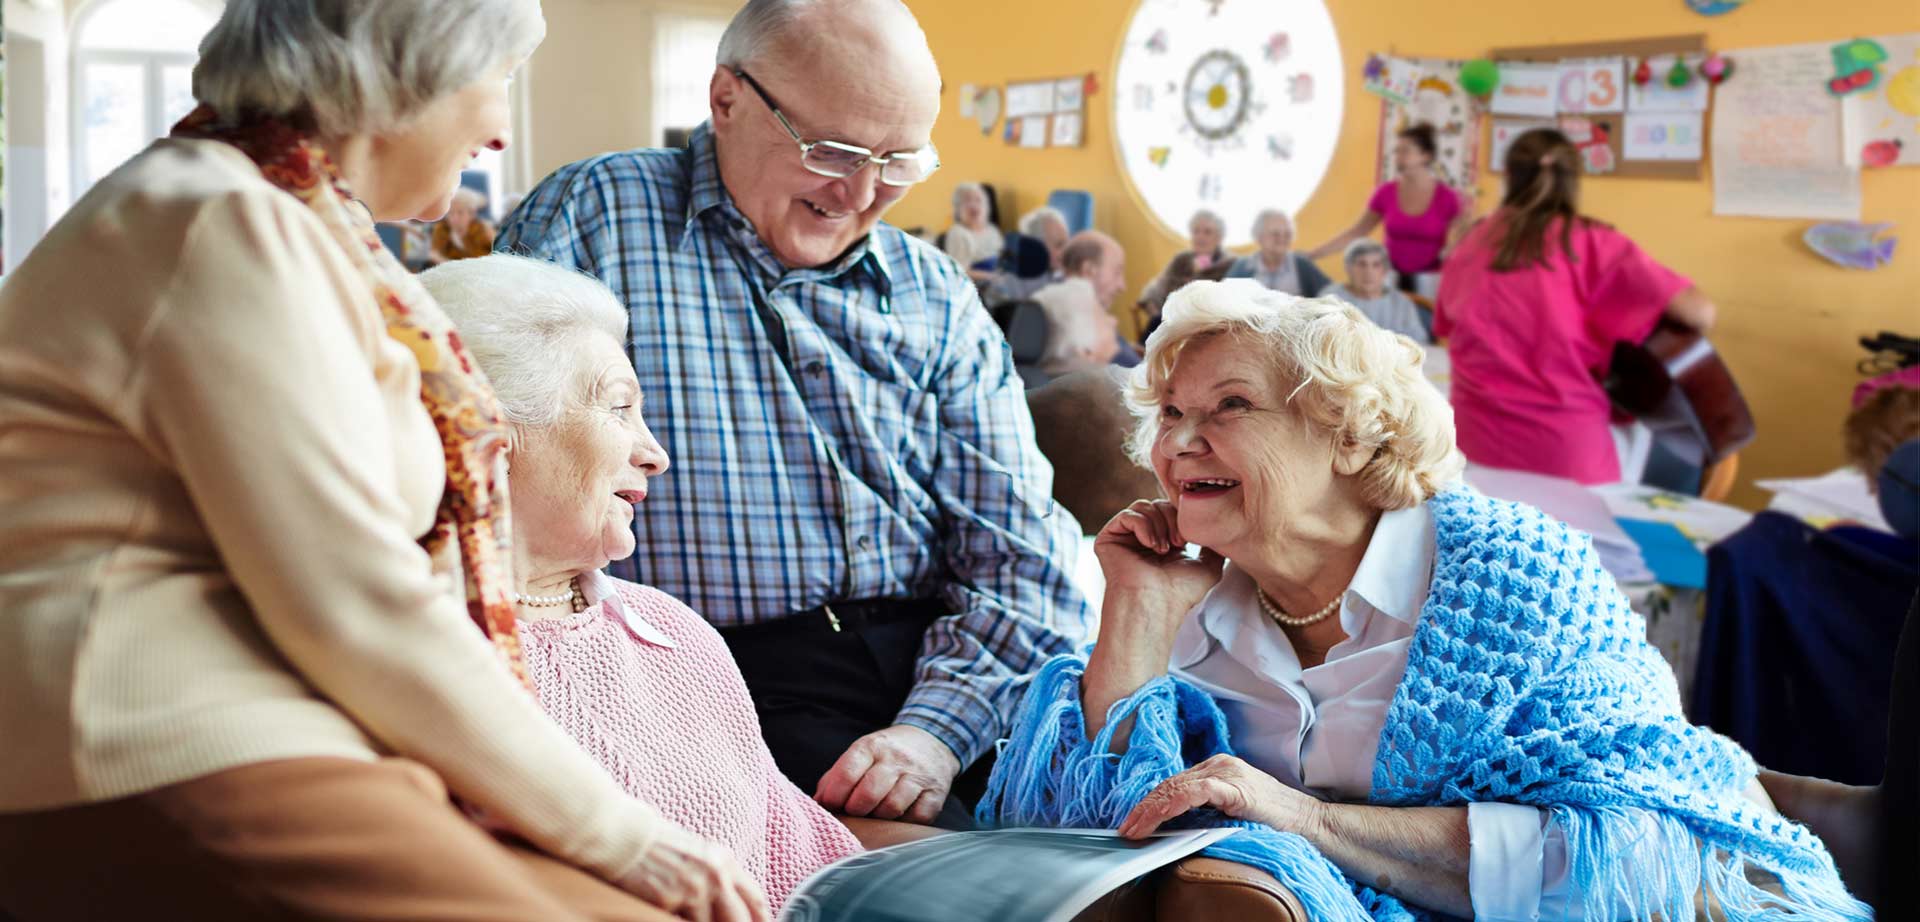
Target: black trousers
x,y
818,690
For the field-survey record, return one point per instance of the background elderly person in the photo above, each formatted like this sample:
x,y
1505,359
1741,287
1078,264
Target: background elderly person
x,y
1390,309
235,674
462,234
645,685
1532,301
1080,333
1435,699
972,242
1423,216
1047,225
861,510
1207,258
1274,264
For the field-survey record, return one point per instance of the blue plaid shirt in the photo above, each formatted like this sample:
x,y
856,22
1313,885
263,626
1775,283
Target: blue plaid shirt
x,y
890,455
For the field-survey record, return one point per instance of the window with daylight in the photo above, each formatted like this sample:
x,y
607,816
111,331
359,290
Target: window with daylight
x,y
684,49
133,78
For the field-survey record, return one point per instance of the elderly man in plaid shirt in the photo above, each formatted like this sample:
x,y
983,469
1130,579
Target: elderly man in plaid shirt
x,y
857,501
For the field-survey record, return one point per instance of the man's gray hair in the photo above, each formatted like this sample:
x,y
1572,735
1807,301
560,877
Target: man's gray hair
x,y
1269,214
523,319
357,66
1034,223
759,26
1365,246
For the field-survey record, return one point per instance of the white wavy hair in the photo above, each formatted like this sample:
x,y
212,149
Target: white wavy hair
x,y
1034,223
1341,373
357,66
523,319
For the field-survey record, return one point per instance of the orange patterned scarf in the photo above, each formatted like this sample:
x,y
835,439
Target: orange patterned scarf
x,y
473,510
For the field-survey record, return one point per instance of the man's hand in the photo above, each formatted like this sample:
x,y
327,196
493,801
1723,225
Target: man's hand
x,y
900,773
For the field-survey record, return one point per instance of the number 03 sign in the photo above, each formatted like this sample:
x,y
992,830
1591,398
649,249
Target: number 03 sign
x,y
1592,86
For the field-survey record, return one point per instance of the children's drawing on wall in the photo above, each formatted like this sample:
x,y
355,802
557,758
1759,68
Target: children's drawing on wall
x,y
1438,100
1881,125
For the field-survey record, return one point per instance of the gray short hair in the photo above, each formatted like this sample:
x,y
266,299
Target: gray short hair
x,y
1034,222
521,318
759,26
357,66
961,189
1341,373
1207,216
1269,214
1365,246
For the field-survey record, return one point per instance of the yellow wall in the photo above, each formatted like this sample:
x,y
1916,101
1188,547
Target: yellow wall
x,y
1788,320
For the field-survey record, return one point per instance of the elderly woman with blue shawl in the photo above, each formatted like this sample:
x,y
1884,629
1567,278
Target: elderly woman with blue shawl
x,y
1418,700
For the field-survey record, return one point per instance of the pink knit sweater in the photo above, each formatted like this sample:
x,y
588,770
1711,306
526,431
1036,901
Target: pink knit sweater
x,y
675,727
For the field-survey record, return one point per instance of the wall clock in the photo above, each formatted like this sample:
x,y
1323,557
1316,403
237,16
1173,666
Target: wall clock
x,y
1229,105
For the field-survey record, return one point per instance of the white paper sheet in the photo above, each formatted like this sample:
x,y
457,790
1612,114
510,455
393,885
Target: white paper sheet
x,y
966,99
1526,89
1069,95
1033,131
1024,99
1066,129
1504,131
1839,494
1661,136
1890,112
1596,85
1657,96
1776,138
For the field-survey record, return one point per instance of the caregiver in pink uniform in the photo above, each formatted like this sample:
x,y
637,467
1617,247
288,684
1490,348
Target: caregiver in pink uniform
x,y
1531,302
1421,213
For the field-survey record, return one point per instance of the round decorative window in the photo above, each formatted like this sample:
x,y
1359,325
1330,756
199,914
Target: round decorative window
x,y
1227,105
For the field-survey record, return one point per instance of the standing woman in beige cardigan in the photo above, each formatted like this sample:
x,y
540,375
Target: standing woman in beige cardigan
x,y
256,607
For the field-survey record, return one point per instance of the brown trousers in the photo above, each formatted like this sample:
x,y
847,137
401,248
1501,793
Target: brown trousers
x,y
301,839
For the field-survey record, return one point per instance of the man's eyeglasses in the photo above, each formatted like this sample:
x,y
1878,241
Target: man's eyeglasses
x,y
832,158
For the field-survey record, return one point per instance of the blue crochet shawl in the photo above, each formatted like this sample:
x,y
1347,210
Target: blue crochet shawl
x,y
1529,681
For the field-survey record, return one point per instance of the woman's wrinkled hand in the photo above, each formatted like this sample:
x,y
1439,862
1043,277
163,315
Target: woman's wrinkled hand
x,y
1142,553
1229,785
696,879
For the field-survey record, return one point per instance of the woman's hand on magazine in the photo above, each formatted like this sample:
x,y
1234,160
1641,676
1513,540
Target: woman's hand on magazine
x,y
1226,784
696,879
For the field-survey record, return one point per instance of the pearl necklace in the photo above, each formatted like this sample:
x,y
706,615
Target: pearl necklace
x,y
551,601
1280,616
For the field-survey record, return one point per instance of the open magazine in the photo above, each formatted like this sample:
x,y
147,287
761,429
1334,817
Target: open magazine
x,y
1002,875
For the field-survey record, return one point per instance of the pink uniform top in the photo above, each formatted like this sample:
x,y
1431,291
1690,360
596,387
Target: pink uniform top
x,y
1414,241
1529,346
650,691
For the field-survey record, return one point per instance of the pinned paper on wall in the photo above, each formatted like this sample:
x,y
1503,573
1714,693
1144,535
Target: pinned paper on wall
x,y
1505,130
1026,99
1526,89
1881,126
1777,141
1069,95
1598,85
1658,95
1438,100
966,100
1033,131
986,108
1595,137
1067,129
1390,78
1662,136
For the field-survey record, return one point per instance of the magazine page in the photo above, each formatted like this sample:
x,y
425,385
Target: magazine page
x,y
1001,875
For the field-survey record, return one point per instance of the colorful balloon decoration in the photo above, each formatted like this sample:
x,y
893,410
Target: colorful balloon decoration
x,y
1715,68
1680,75
1479,77
1643,74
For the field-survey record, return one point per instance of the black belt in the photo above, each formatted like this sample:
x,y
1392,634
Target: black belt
x,y
853,616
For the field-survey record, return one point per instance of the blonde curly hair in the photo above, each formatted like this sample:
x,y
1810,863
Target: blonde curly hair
x,y
1341,373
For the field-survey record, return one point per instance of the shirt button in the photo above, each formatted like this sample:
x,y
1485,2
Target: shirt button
x,y
815,368
865,542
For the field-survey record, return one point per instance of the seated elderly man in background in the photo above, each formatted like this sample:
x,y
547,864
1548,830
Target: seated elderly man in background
x,y
1389,308
1097,260
644,685
1047,225
1081,334
1435,700
1275,264
861,511
1206,259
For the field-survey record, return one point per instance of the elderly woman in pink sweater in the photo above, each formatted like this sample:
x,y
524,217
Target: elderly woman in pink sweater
x,y
644,685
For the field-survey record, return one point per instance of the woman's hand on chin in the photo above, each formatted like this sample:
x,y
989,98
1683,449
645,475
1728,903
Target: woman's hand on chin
x,y
1229,785
1143,556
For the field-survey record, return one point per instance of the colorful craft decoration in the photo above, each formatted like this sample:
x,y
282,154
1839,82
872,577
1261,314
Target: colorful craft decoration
x,y
1159,155
1856,66
1715,68
1643,74
1279,46
1479,77
1157,43
1300,88
986,108
1680,75
1881,153
1851,244
1090,86
1714,7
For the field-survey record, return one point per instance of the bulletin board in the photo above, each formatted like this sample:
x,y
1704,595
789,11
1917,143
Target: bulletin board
x,y
1047,113
1613,123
